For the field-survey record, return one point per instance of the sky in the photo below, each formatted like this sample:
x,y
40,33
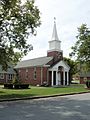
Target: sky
x,y
70,14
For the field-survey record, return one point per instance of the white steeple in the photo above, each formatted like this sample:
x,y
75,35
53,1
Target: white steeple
x,y
54,35
54,44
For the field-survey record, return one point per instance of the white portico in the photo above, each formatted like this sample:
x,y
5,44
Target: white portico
x,y
60,74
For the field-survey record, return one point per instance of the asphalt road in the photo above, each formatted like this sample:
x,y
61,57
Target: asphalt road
x,y
71,107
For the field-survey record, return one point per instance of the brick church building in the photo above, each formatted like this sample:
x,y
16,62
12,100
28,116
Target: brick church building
x,y
50,70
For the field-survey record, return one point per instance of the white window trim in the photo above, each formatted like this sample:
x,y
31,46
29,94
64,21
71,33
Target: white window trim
x,y
1,75
10,76
35,74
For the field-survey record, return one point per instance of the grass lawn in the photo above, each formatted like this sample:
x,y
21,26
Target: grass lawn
x,y
39,91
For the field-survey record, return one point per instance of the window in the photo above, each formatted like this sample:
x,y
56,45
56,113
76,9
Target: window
x,y
10,76
35,74
1,76
26,74
26,70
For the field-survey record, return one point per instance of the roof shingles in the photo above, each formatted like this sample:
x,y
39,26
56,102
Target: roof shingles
x,y
41,61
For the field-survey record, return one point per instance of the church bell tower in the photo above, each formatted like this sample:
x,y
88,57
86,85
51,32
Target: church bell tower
x,y
55,45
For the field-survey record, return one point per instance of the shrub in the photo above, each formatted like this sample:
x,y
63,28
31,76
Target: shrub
x,y
8,85
88,83
45,84
24,86
21,86
16,86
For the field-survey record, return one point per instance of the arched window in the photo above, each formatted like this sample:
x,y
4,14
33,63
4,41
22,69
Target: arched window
x,y
35,74
60,69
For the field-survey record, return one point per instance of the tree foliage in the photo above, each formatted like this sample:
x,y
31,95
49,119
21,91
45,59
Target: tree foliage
x,y
73,66
17,22
81,49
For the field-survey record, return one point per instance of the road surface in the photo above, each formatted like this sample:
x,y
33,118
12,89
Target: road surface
x,y
71,107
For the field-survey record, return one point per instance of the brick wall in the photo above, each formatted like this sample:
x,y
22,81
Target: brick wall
x,y
28,77
45,74
56,54
82,80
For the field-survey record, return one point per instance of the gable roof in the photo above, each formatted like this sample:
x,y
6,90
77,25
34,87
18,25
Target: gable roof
x,y
10,70
83,74
41,61
61,63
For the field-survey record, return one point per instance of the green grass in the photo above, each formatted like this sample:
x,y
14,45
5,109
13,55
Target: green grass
x,y
39,91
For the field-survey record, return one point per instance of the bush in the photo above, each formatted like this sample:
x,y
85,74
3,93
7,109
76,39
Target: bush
x,y
8,85
45,84
16,86
24,86
88,83
21,86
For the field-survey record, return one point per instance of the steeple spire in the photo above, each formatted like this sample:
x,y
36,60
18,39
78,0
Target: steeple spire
x,y
54,34
55,45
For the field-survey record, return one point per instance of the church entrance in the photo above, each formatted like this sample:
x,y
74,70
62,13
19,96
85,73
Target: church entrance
x,y
61,78
58,76
66,78
60,71
54,78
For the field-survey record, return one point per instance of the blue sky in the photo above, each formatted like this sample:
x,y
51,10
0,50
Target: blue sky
x,y
69,14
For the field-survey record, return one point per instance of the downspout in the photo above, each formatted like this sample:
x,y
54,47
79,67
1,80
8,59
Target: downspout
x,y
47,76
6,77
41,75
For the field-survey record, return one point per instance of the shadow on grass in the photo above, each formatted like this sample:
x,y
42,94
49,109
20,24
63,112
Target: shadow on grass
x,y
2,92
12,96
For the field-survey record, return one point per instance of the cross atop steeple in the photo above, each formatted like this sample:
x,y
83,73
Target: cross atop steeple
x,y
54,34
54,20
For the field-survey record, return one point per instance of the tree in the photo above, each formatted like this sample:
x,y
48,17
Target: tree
x,y
81,49
73,67
17,21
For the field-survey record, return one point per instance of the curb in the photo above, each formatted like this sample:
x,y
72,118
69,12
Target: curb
x,y
39,97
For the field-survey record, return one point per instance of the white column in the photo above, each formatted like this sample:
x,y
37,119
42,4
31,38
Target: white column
x,y
52,78
63,77
59,79
56,78
67,79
